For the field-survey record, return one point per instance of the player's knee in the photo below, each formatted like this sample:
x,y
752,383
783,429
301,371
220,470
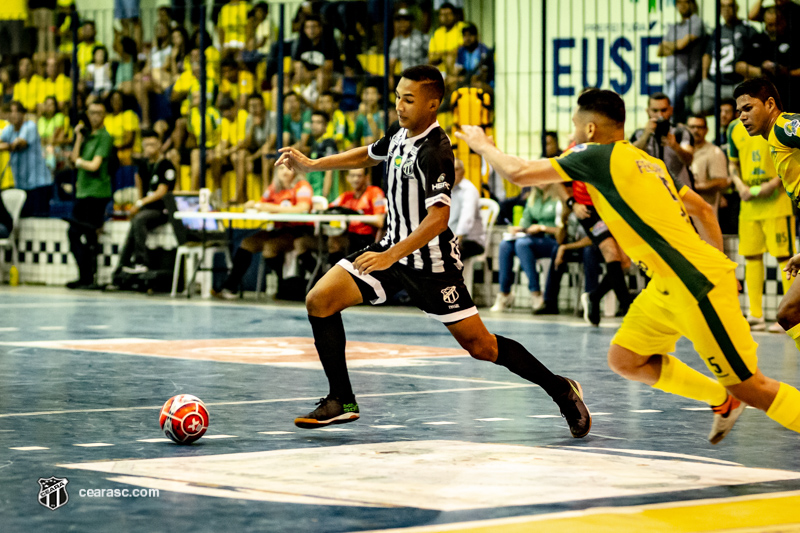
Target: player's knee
x,y
788,314
318,302
620,362
482,348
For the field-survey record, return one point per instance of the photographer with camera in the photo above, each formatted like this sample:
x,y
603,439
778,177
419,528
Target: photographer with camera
x,y
672,144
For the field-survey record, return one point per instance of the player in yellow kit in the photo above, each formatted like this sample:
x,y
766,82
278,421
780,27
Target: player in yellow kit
x,y
693,292
766,221
761,113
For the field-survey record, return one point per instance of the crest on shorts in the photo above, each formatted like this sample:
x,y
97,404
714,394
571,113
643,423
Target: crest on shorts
x,y
53,492
790,128
449,295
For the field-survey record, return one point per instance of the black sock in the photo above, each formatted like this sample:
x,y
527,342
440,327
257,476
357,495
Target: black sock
x,y
241,262
520,361
329,338
607,283
617,276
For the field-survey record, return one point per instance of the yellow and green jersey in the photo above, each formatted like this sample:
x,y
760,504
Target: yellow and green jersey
x,y
784,146
213,123
636,197
756,168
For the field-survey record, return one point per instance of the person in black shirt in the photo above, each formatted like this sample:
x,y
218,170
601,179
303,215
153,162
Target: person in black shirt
x,y
418,253
314,54
155,177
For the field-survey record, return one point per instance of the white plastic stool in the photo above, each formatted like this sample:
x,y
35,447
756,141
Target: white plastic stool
x,y
193,253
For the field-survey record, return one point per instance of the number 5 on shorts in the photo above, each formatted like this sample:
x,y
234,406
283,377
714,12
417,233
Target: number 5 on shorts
x,y
717,368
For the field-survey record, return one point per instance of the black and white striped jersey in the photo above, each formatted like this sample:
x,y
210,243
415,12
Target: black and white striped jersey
x,y
420,173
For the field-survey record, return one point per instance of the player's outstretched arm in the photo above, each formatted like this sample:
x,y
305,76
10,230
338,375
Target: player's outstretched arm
x,y
297,160
792,268
515,169
704,217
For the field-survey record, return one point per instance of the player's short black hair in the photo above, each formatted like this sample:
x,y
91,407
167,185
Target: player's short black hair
x,y
322,114
150,134
659,96
760,88
606,103
429,76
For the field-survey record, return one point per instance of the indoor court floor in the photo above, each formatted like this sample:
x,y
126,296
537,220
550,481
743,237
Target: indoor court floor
x,y
444,443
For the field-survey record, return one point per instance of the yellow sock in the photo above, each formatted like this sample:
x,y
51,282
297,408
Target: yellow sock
x,y
794,333
785,409
786,282
754,279
678,378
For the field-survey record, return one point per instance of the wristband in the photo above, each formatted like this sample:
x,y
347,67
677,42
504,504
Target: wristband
x,y
570,201
755,190
139,203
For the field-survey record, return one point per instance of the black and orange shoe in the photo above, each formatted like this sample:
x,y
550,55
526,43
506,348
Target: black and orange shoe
x,y
330,411
725,417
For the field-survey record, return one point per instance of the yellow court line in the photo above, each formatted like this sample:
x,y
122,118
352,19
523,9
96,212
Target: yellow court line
x,y
777,512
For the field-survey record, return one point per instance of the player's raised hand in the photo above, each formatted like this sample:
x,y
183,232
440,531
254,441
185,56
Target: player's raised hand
x,y
295,160
792,267
476,138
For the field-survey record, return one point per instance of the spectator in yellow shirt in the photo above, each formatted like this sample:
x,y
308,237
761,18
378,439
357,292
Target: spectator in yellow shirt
x,y
232,24
29,90
123,126
446,39
236,83
13,16
56,83
87,45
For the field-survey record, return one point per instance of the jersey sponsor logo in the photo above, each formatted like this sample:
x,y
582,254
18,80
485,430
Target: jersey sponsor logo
x,y
398,161
449,295
169,175
441,183
790,128
579,148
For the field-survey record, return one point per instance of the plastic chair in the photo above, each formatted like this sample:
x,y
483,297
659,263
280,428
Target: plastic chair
x,y
190,254
489,209
13,199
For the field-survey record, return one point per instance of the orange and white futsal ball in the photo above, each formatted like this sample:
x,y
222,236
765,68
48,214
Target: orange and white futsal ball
x,y
184,418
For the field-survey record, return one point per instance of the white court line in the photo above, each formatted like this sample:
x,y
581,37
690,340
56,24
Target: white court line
x,y
443,423
153,440
250,402
645,411
442,378
544,416
93,444
99,326
28,448
493,419
4,330
334,429
276,432
388,426
221,436
52,328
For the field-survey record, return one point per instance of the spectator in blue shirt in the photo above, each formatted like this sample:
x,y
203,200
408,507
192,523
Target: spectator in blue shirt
x,y
21,138
474,61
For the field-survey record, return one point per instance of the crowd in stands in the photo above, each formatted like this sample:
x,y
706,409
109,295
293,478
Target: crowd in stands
x,y
96,117
56,76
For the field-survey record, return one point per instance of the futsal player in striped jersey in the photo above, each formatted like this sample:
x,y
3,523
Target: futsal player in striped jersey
x,y
418,253
693,290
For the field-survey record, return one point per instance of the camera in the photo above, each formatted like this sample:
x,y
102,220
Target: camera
x,y
662,129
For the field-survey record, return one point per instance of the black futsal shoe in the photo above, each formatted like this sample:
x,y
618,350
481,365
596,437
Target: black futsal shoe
x,y
329,411
574,410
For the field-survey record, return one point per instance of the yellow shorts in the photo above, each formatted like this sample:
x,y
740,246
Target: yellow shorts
x,y
716,327
773,235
